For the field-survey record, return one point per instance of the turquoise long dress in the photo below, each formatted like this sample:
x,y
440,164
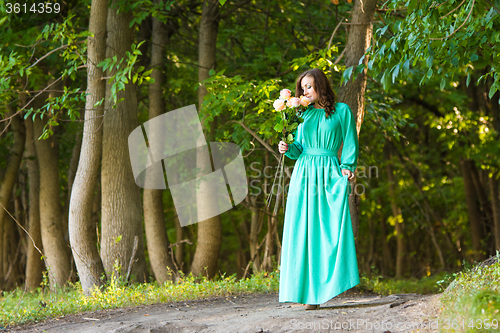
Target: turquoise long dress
x,y
318,256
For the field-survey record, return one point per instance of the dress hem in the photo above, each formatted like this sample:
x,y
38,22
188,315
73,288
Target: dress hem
x,y
323,300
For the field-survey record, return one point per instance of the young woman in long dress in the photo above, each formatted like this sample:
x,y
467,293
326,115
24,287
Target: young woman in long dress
x,y
318,256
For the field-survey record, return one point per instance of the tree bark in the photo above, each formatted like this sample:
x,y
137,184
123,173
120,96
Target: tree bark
x,y
34,264
179,248
495,203
12,248
472,208
121,197
73,165
254,233
160,253
55,247
353,93
9,179
82,229
210,230
484,204
396,212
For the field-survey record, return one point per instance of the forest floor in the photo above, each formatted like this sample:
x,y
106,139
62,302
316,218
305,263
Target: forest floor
x,y
349,312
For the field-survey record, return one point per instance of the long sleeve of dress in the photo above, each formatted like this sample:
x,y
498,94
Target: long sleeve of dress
x,y
295,149
349,158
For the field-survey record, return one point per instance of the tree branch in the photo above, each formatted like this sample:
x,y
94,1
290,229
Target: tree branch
x,y
460,27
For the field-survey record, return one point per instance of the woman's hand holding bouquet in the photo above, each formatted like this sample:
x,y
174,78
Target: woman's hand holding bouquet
x,y
289,108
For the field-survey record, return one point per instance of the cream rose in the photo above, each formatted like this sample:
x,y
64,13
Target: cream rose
x,y
279,105
285,93
294,101
304,101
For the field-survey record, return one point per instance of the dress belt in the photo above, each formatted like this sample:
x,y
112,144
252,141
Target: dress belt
x,y
319,151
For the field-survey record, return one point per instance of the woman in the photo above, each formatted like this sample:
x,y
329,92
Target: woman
x,y
318,258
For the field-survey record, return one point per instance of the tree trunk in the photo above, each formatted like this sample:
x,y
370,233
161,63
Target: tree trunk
x,y
121,197
73,165
9,179
353,93
210,230
179,248
160,253
12,243
267,264
387,262
254,233
484,204
495,203
34,264
396,212
55,247
82,229
472,208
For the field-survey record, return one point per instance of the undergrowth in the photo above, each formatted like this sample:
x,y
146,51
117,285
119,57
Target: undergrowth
x,y
472,301
388,286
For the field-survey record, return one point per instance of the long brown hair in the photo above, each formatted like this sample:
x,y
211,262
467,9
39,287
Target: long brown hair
x,y
326,96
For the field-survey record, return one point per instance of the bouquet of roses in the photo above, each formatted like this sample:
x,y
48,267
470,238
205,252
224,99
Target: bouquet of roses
x,y
289,120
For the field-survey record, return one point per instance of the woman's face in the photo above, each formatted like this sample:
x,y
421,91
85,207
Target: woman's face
x,y
307,85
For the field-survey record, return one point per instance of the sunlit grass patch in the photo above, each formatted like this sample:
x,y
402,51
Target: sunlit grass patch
x,y
19,307
472,301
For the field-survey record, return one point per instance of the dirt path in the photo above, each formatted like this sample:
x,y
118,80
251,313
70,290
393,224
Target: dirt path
x,y
349,312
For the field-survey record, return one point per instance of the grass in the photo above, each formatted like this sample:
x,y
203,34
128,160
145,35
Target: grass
x,y
19,307
472,301
428,285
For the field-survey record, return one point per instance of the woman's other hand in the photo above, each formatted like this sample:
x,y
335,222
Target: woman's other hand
x,y
282,147
350,175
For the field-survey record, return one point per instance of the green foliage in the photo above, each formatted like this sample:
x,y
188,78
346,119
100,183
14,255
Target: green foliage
x,y
144,8
438,39
474,299
18,307
123,71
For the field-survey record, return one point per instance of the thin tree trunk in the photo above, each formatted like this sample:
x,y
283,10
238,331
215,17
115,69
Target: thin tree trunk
x,y
472,208
73,165
179,248
34,264
158,244
121,197
254,233
9,179
82,229
241,262
387,262
12,247
485,206
22,216
55,247
267,264
353,93
210,230
396,212
371,244
495,203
